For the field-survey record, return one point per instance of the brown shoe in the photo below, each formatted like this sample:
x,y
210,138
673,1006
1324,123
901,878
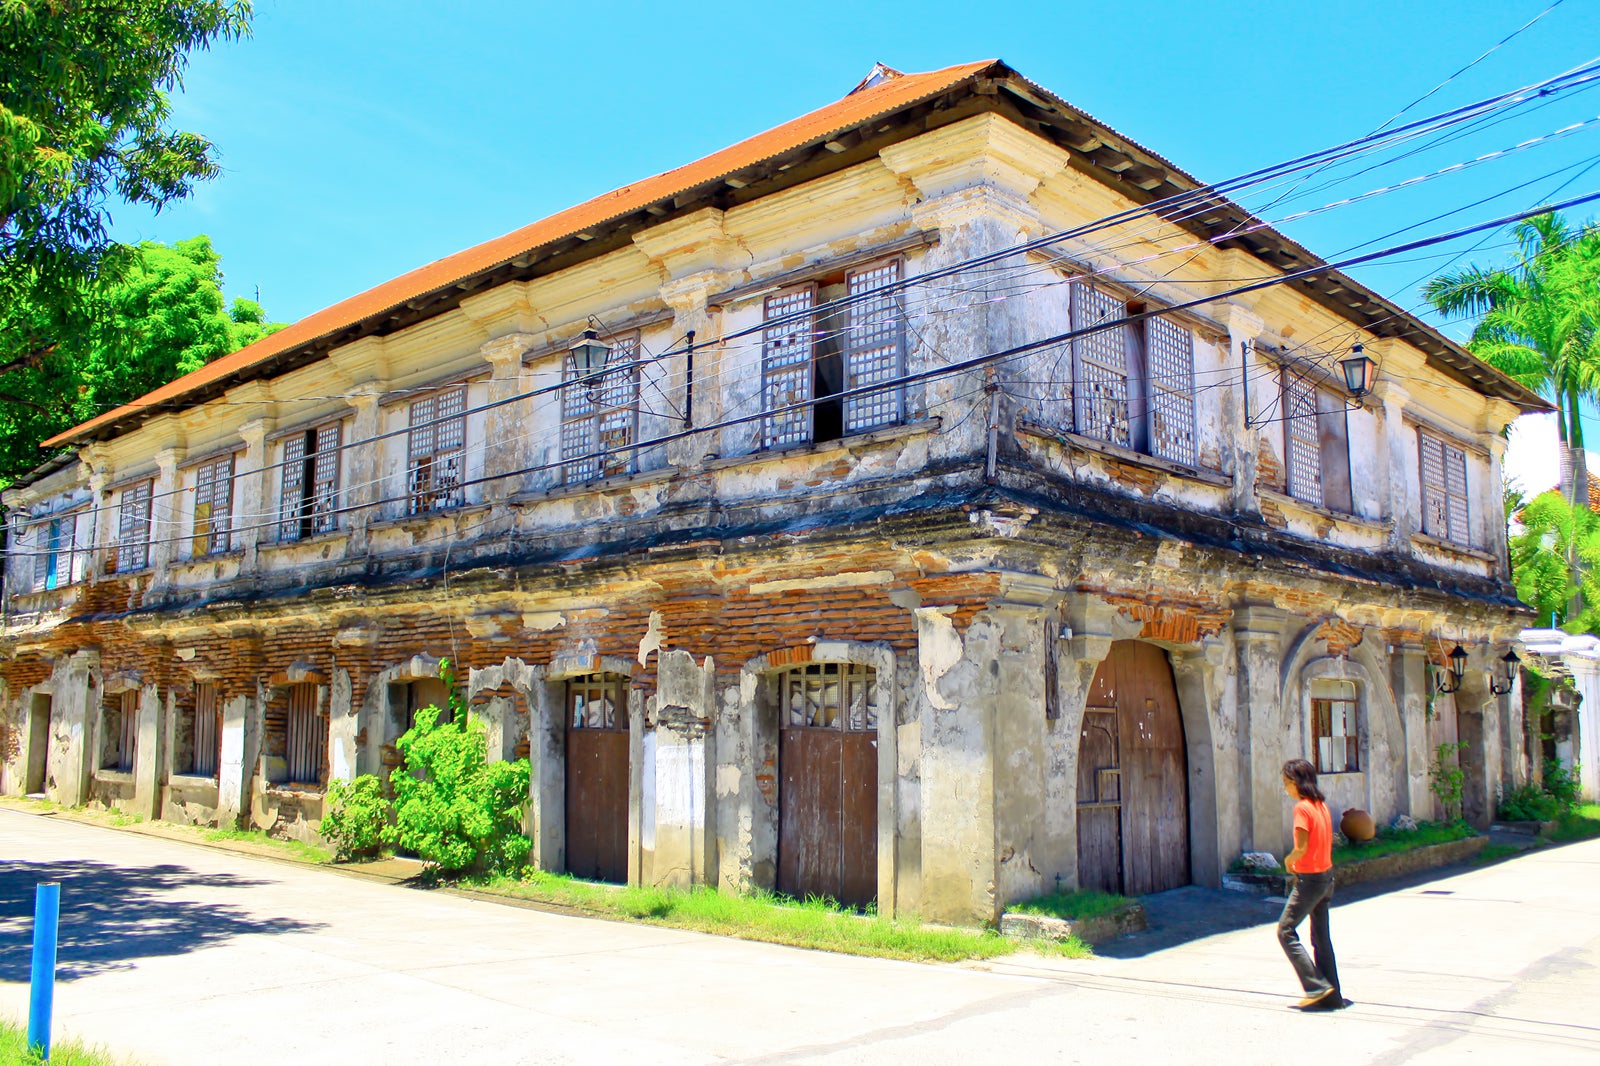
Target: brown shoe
x,y
1316,1000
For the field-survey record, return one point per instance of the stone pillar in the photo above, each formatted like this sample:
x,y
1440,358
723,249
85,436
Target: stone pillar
x,y
74,739
1586,745
1244,327
166,518
1478,720
547,776
1087,642
1258,644
699,395
240,743
149,766
678,831
344,723
366,484
250,486
1408,677
1200,675
508,421
1400,461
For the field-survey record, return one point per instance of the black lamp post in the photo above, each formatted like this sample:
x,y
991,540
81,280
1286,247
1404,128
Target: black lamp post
x,y
1502,685
589,355
1358,371
1451,682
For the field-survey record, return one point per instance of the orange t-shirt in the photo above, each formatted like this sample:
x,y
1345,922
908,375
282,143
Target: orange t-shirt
x,y
1315,819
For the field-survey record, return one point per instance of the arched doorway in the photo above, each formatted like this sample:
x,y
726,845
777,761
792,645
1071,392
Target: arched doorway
x,y
1133,794
828,782
597,777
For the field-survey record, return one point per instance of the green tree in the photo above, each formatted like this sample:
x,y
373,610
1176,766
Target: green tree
x,y
85,120
1555,562
1539,322
164,316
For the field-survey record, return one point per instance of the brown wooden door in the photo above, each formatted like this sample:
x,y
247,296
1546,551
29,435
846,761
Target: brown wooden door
x,y
828,785
1133,769
597,778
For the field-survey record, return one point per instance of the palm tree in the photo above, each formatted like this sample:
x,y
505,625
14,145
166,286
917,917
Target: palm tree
x,y
1540,324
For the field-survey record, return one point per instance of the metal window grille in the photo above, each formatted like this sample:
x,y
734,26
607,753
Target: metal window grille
x,y
829,696
1169,355
1444,490
207,750
56,559
307,740
213,507
600,417
436,446
598,701
1337,739
1302,440
1099,367
875,350
788,353
309,496
127,730
133,532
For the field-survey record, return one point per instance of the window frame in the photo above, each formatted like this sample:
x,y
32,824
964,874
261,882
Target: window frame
x,y
1316,443
588,688
120,756
211,488
436,450
134,525
308,485
1323,700
806,679
599,435
305,728
205,756
1445,490
51,549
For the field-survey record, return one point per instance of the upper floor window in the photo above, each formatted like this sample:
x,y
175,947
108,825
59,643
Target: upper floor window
x,y
1444,489
58,559
435,446
1133,383
1334,733
808,356
1316,443
600,416
309,498
213,507
133,526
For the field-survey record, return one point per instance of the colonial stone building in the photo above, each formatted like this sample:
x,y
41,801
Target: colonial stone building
x,y
794,586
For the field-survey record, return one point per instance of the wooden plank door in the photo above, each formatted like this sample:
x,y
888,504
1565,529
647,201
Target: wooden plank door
x,y
597,778
1100,801
828,784
1155,812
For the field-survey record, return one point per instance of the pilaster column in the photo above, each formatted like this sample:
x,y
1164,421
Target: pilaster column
x,y
504,424
367,483
679,759
1258,644
149,755
1400,461
74,739
250,485
1258,382
695,385
166,517
240,744
1408,677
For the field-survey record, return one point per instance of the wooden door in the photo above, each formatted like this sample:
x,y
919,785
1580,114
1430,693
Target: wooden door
x,y
597,778
828,784
1133,796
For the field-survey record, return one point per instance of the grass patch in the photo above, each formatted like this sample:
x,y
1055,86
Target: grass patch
x,y
1580,823
815,923
294,849
1391,841
1496,852
14,1050
1074,906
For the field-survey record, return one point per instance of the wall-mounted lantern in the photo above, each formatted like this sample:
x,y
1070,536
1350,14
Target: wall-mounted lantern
x,y
1359,371
1449,681
589,355
1508,674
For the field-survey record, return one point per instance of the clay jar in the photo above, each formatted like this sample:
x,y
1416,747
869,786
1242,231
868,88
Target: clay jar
x,y
1357,825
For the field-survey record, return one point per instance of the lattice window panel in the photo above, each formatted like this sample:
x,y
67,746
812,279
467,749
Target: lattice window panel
x,y
598,701
307,741
1169,357
875,349
213,507
309,497
57,560
133,527
291,490
600,416
829,696
206,747
788,352
1099,367
1302,439
1444,490
324,501
435,448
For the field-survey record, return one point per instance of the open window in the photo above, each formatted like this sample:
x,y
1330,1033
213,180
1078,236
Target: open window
x,y
600,416
435,451
809,355
1335,732
119,731
309,490
1445,513
58,557
305,738
1317,443
1132,382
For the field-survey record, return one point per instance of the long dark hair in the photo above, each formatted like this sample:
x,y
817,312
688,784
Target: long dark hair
x,y
1304,776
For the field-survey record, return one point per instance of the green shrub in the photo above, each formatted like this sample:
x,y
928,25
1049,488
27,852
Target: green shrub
x,y
453,807
1446,778
356,816
1528,803
1562,784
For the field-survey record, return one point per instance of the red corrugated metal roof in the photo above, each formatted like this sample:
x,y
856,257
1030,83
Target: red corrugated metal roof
x,y
861,105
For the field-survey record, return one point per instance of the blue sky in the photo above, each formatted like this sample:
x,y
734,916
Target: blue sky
x,y
360,140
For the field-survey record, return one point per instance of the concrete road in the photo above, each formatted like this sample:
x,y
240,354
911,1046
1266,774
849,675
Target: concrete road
x,y
173,953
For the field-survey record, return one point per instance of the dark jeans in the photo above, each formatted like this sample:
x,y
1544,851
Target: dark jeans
x,y
1311,896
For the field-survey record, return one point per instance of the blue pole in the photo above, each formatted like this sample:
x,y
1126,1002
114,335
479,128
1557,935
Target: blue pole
x,y
46,917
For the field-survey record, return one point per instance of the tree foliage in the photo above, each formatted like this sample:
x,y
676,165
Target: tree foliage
x,y
1556,557
163,317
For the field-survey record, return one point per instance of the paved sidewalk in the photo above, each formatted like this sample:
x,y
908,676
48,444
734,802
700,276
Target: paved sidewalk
x,y
178,954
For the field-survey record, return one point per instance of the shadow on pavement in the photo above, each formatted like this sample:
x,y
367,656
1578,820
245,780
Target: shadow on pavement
x,y
112,916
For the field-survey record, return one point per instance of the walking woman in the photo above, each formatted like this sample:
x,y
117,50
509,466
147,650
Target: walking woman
x,y
1311,862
